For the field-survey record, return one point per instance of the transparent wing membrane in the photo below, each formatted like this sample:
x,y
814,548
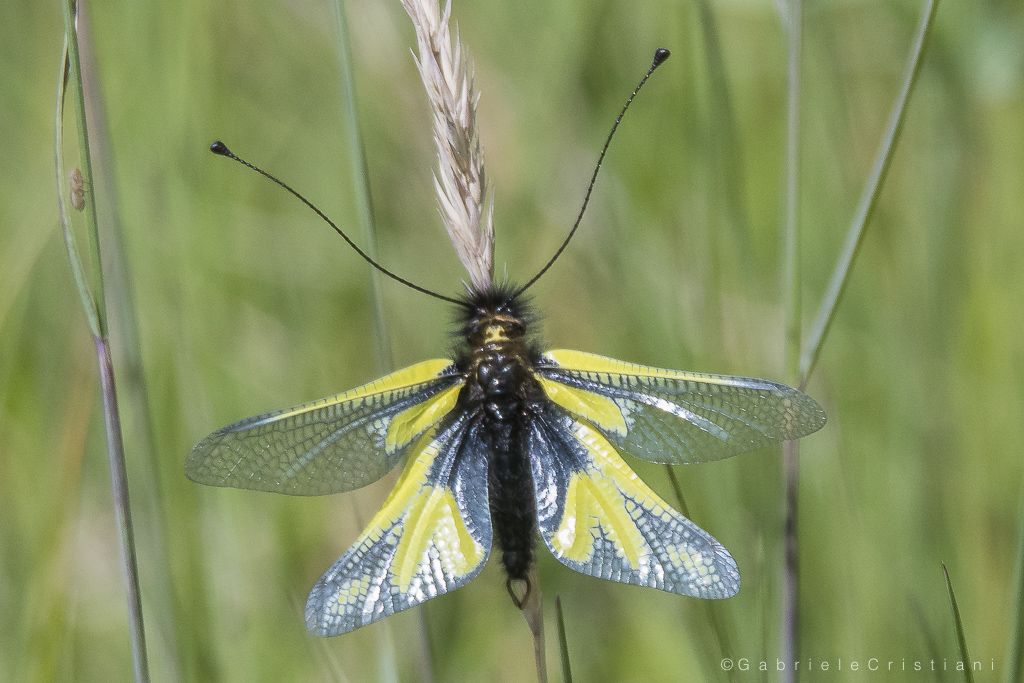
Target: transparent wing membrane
x,y
673,417
335,444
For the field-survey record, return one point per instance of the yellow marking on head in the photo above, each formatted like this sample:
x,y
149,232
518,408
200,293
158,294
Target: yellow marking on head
x,y
400,379
595,408
495,333
591,362
413,421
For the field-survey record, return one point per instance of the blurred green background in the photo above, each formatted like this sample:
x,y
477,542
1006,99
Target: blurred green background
x,y
245,303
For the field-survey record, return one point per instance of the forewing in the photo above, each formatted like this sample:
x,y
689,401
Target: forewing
x,y
431,536
335,444
674,417
597,516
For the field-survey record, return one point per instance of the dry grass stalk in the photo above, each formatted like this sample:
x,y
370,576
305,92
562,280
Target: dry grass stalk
x,y
460,182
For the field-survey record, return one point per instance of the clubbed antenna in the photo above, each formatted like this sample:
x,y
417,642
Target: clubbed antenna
x,y
460,180
219,148
660,55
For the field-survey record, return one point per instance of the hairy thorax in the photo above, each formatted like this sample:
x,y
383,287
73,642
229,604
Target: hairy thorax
x,y
499,363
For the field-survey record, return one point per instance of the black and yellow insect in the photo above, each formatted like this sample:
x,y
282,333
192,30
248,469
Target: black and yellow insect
x,y
501,443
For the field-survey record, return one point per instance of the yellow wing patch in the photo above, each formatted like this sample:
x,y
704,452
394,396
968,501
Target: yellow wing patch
x,y
438,524
599,518
598,409
419,516
400,379
432,535
607,493
411,422
591,362
589,499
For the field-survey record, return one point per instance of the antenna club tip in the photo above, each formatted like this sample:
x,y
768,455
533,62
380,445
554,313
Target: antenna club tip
x,y
660,56
218,147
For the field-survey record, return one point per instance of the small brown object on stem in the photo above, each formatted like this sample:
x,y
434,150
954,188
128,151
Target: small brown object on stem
x,y
76,185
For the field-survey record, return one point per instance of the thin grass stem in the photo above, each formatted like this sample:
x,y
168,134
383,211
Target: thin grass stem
x,y
868,199
791,200
790,593
718,632
563,642
360,177
122,508
961,638
790,636
805,360
1015,652
677,490
94,304
532,609
126,344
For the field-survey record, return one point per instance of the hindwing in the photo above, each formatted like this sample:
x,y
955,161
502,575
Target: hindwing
x,y
597,516
432,535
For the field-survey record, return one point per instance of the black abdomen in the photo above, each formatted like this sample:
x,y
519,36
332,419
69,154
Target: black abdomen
x,y
504,383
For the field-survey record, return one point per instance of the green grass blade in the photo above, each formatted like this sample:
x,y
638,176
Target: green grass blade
x,y
563,642
74,78
95,310
361,186
961,639
360,178
868,200
791,200
74,258
165,603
